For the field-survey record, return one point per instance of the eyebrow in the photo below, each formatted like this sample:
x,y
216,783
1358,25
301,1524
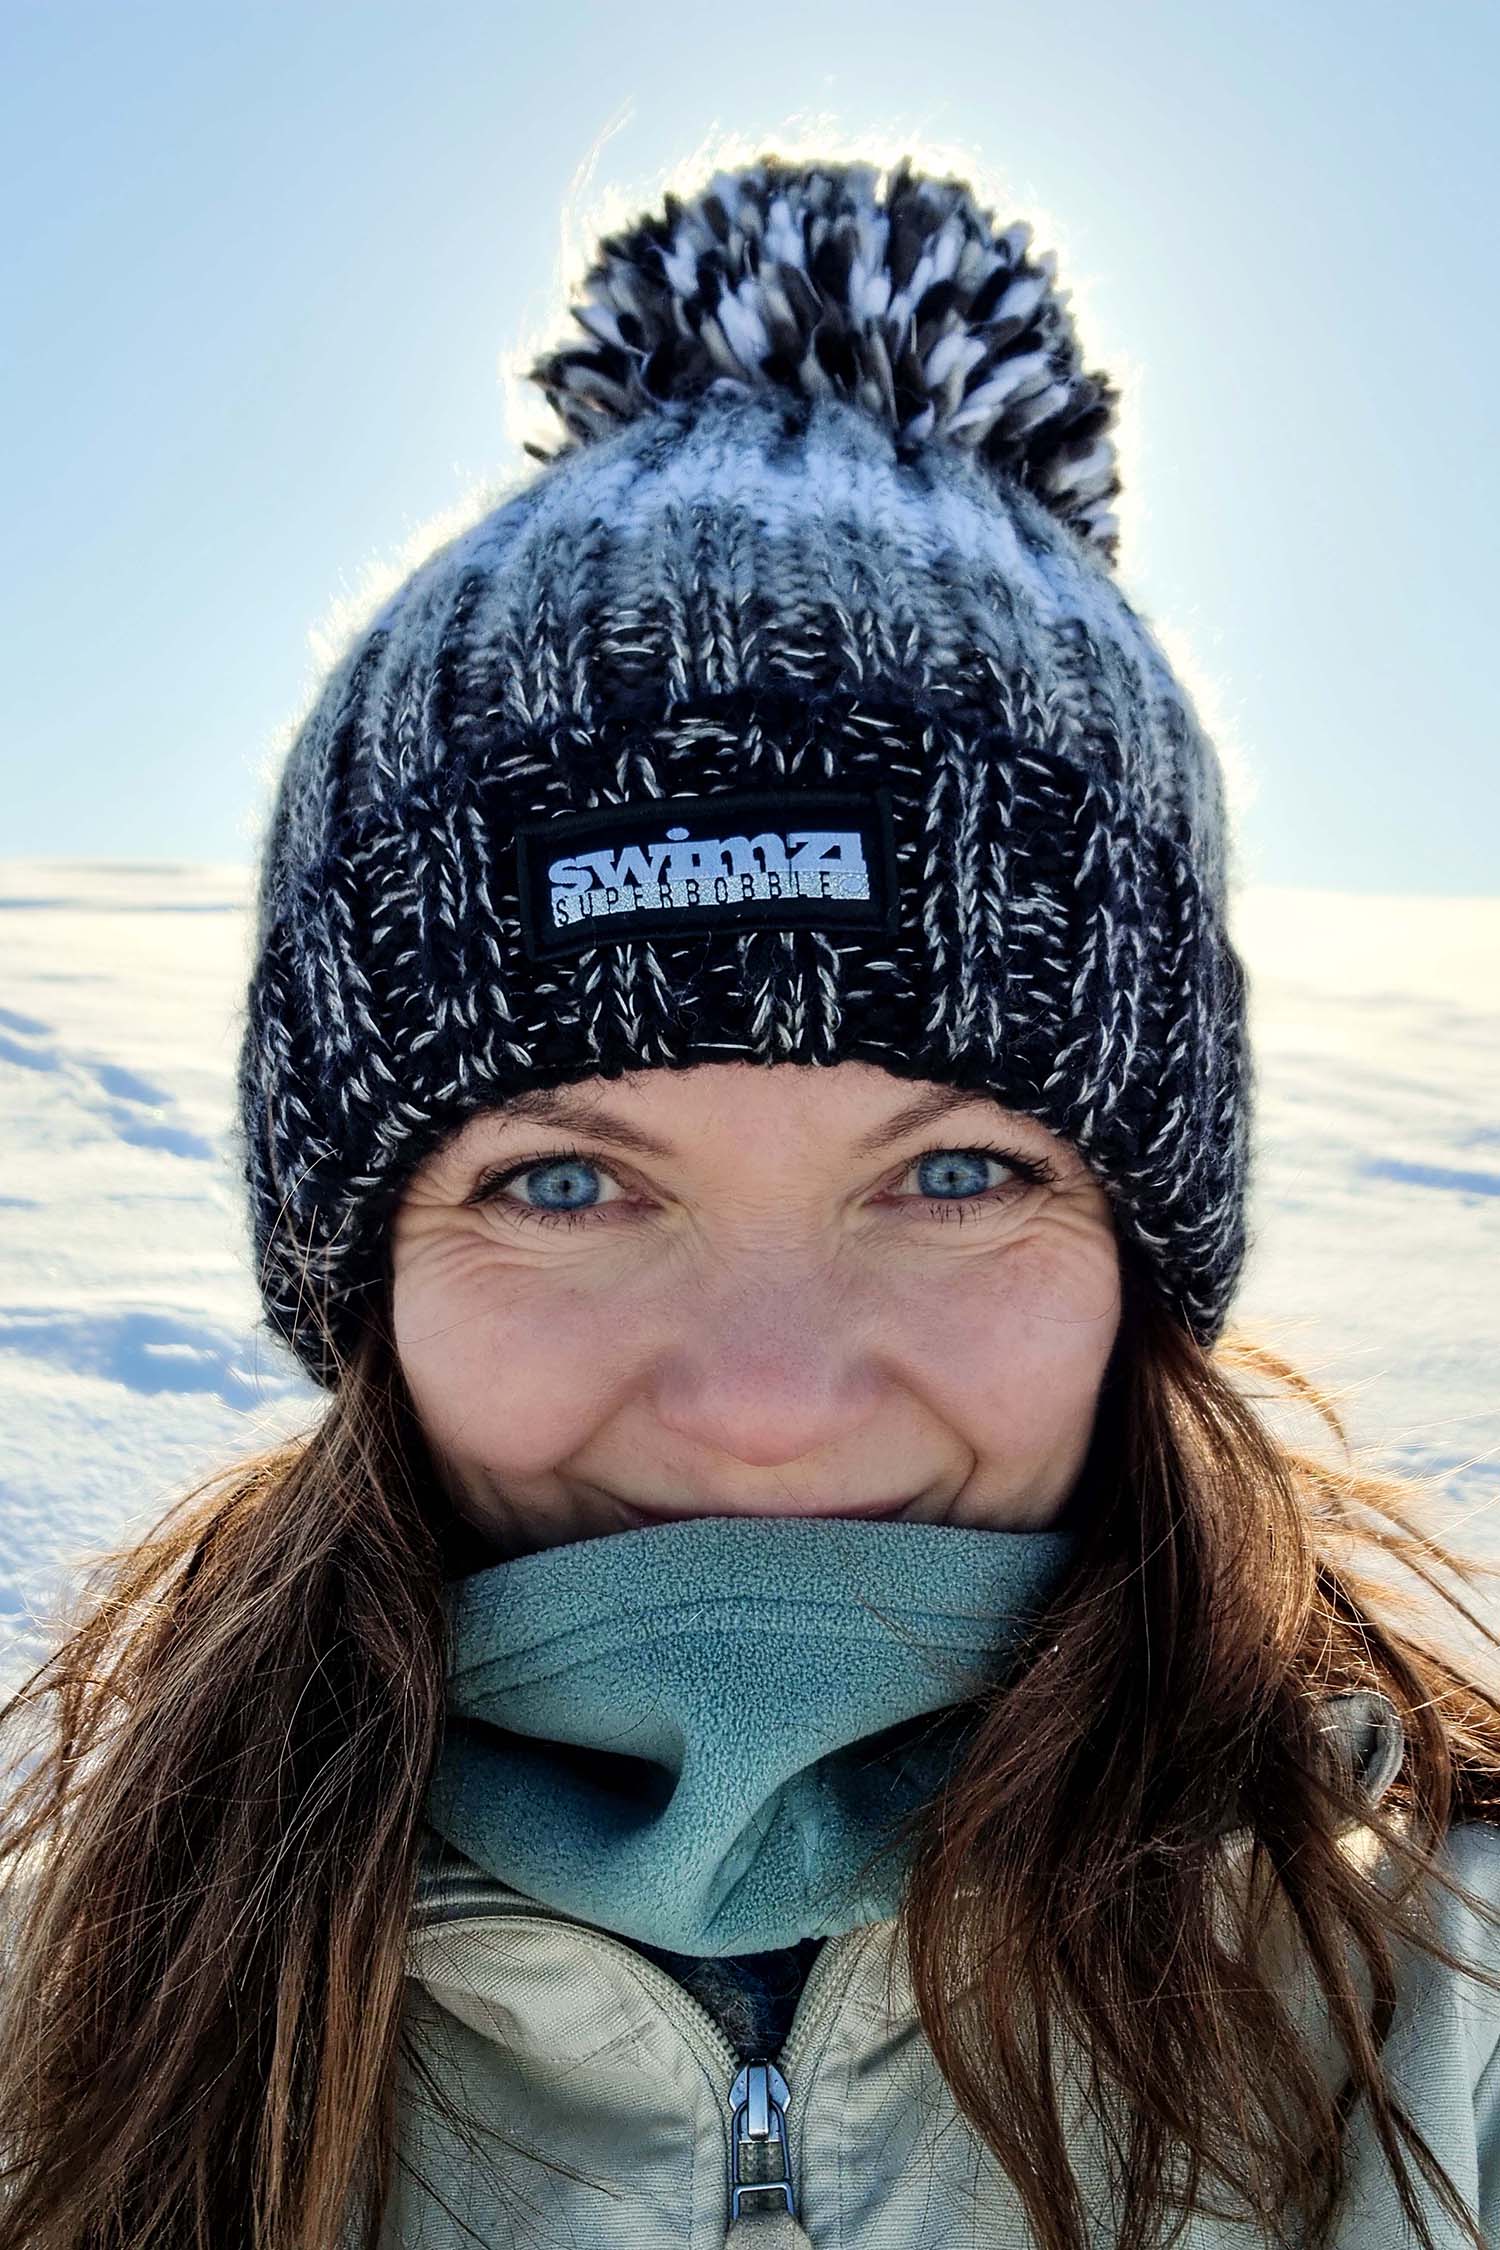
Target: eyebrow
x,y
552,1106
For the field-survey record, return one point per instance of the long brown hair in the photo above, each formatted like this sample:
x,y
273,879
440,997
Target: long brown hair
x,y
211,1834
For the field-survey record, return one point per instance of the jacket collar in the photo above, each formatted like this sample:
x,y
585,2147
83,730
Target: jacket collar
x,y
1365,1728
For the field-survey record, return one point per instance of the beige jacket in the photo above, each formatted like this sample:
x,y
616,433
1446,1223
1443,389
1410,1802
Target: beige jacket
x,y
638,2128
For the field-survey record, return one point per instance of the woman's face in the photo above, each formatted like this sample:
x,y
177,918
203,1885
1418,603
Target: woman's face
x,y
743,1289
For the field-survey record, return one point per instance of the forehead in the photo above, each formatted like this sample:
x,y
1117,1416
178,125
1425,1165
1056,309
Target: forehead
x,y
662,1112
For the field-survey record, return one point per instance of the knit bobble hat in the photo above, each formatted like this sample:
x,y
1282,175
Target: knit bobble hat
x,y
790,713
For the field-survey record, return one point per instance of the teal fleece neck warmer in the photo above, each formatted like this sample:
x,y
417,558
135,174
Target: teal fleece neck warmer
x,y
695,1734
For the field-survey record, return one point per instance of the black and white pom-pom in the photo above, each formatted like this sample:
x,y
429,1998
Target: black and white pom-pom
x,y
910,303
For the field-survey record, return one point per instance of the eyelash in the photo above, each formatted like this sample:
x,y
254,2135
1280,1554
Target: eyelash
x,y
1031,1171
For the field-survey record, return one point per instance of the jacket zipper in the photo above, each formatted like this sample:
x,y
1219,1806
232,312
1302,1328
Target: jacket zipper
x,y
758,2103
758,2093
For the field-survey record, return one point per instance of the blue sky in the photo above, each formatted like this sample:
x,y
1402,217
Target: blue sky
x,y
266,266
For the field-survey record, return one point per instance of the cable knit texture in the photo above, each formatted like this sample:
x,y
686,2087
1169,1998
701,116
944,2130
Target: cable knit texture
x,y
829,554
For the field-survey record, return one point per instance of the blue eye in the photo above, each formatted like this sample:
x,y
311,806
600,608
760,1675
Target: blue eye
x,y
566,1183
953,1182
568,1187
953,1172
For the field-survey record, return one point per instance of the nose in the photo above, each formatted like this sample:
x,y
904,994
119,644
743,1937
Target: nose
x,y
766,1369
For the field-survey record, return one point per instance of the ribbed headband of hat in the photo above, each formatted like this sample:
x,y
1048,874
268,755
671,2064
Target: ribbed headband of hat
x,y
791,713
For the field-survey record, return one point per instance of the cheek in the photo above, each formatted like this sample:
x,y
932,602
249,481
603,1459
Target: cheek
x,y
1013,1349
508,1371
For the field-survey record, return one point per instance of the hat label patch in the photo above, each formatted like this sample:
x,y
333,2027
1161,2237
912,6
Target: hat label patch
x,y
792,859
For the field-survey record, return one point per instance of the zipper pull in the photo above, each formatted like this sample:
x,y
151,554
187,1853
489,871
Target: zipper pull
x,y
758,2102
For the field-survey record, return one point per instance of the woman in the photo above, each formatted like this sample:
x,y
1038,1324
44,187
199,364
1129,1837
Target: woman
x,y
792,1697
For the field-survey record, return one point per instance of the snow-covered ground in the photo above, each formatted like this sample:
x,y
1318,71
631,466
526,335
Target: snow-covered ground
x,y
132,1358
